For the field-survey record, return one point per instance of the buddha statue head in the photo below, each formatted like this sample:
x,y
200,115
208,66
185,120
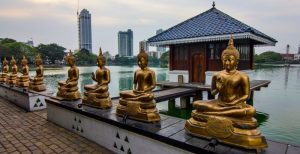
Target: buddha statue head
x,y
230,57
12,61
24,61
4,62
101,59
70,59
142,58
38,60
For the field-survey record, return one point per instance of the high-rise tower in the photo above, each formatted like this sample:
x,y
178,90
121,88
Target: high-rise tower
x,y
85,30
125,43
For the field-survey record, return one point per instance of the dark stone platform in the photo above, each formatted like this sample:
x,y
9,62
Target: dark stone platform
x,y
169,131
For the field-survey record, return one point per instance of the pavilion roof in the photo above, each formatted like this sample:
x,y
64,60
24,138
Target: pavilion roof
x,y
211,25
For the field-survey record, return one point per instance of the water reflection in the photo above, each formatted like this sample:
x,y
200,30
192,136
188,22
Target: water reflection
x,y
277,106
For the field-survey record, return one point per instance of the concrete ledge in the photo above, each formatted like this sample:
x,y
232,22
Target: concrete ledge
x,y
23,98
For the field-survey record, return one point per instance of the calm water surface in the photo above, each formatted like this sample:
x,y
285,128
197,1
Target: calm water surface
x,y
278,105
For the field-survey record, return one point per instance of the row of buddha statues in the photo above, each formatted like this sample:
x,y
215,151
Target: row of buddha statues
x,y
227,118
23,81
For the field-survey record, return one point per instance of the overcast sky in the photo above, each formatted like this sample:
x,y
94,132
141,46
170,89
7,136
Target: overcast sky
x,y
55,21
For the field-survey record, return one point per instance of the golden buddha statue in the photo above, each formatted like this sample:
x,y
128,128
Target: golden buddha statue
x,y
68,89
37,83
139,103
5,69
23,80
228,118
97,95
12,77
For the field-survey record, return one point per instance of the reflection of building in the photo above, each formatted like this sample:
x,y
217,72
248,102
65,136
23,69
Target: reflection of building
x,y
85,30
160,49
125,83
125,43
197,43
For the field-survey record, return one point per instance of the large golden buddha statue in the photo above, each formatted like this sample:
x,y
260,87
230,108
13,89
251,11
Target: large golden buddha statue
x,y
97,95
5,69
37,83
12,77
68,89
23,80
228,118
139,103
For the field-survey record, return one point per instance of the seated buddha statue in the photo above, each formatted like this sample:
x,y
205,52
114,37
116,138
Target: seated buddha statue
x,y
97,95
227,118
5,69
139,103
68,89
12,77
23,80
37,83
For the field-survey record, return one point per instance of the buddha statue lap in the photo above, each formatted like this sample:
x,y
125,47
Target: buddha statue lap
x,y
5,69
227,118
37,83
23,80
12,77
68,89
97,95
139,103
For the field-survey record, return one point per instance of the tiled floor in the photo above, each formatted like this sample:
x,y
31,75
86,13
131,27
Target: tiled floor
x,y
30,132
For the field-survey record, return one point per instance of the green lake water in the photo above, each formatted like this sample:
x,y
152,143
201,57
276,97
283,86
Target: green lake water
x,y
278,105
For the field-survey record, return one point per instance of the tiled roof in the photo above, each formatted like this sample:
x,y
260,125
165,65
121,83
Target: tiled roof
x,y
211,25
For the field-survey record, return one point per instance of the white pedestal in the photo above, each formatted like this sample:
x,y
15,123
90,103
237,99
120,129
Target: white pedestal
x,y
173,75
108,135
24,98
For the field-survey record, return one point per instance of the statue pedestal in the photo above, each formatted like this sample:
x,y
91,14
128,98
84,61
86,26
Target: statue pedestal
x,y
142,111
28,100
93,101
223,129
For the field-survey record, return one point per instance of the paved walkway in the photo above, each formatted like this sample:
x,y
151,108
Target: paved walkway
x,y
30,132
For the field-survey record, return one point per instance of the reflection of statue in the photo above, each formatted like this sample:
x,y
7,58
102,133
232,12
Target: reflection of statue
x,y
23,80
68,89
5,69
139,103
37,83
12,78
97,95
227,118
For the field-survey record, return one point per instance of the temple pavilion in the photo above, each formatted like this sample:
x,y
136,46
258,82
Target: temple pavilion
x,y
196,44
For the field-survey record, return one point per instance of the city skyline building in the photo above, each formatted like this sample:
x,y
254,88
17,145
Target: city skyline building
x,y
159,48
125,43
144,44
85,30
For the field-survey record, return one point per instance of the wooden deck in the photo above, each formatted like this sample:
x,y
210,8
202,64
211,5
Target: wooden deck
x,y
254,85
169,130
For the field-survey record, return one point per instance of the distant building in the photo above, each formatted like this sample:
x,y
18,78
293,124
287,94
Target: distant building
x,y
299,49
144,44
297,56
29,43
160,49
85,30
107,55
287,56
125,43
153,54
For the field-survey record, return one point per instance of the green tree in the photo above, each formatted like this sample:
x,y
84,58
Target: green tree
x,y
267,57
10,47
51,52
84,57
164,59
